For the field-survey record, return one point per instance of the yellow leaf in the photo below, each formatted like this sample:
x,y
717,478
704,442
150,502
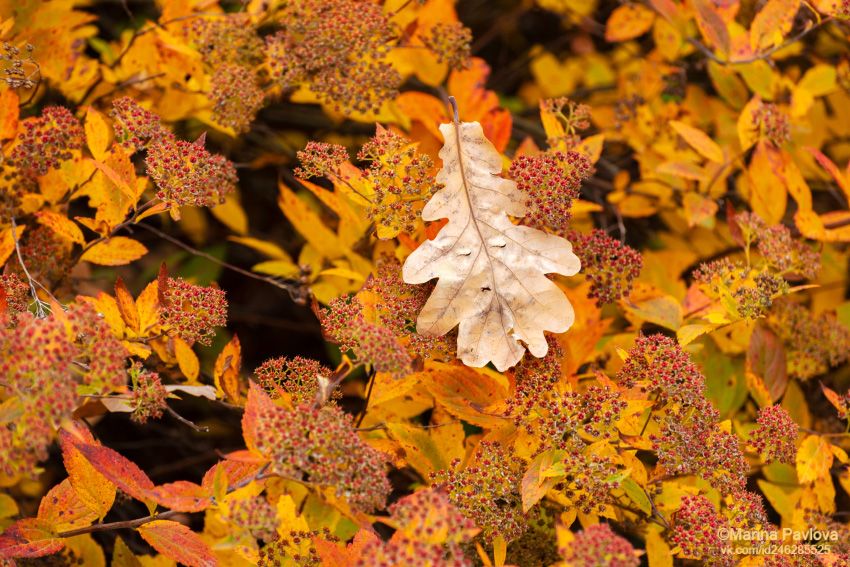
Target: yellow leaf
x,y
308,224
699,141
115,251
768,195
280,268
98,134
186,359
264,247
748,124
226,372
814,459
772,23
689,333
657,551
628,22
231,214
61,225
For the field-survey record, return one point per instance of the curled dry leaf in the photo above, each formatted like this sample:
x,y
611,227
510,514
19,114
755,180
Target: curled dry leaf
x,y
492,273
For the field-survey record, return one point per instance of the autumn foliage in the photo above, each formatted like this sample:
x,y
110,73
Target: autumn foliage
x,y
425,283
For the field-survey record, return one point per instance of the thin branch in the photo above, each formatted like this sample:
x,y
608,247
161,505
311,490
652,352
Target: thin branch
x,y
296,291
184,421
40,305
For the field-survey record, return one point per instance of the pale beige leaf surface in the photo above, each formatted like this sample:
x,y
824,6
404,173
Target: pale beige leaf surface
x,y
492,273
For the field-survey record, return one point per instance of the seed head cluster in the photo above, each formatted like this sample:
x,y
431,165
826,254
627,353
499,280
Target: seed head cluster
x,y
550,183
610,265
47,141
296,377
192,312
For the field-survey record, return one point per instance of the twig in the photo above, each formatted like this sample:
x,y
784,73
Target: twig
x,y
183,420
296,291
372,376
40,305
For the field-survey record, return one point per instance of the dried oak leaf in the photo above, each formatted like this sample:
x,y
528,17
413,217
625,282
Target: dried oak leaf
x,y
492,273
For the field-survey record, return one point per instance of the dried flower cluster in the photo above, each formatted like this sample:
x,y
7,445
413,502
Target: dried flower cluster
x,y
320,445
610,265
338,48
192,312
551,181
47,140
775,436
296,377
814,342
185,173
148,396
487,491
599,545
345,323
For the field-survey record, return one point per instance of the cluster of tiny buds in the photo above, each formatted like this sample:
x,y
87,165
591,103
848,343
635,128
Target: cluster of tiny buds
x,y
753,294
534,378
186,173
47,141
696,530
36,358
321,159
104,354
659,363
450,42
296,377
344,323
487,491
401,177
149,395
774,124
14,297
574,116
599,546
320,443
337,47
400,305
610,265
778,246
18,75
192,312
134,126
550,182
236,96
46,255
227,39
257,516
814,343
295,548
775,435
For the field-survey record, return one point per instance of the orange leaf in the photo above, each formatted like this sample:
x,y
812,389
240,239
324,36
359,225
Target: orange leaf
x,y
29,537
699,141
64,510
7,242
467,393
177,542
332,555
227,366
115,251
628,22
257,405
186,359
147,305
834,399
126,305
122,472
182,496
8,114
840,178
711,25
94,489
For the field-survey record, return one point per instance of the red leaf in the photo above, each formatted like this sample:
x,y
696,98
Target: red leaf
x,y
177,542
182,496
235,470
29,537
766,358
123,473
